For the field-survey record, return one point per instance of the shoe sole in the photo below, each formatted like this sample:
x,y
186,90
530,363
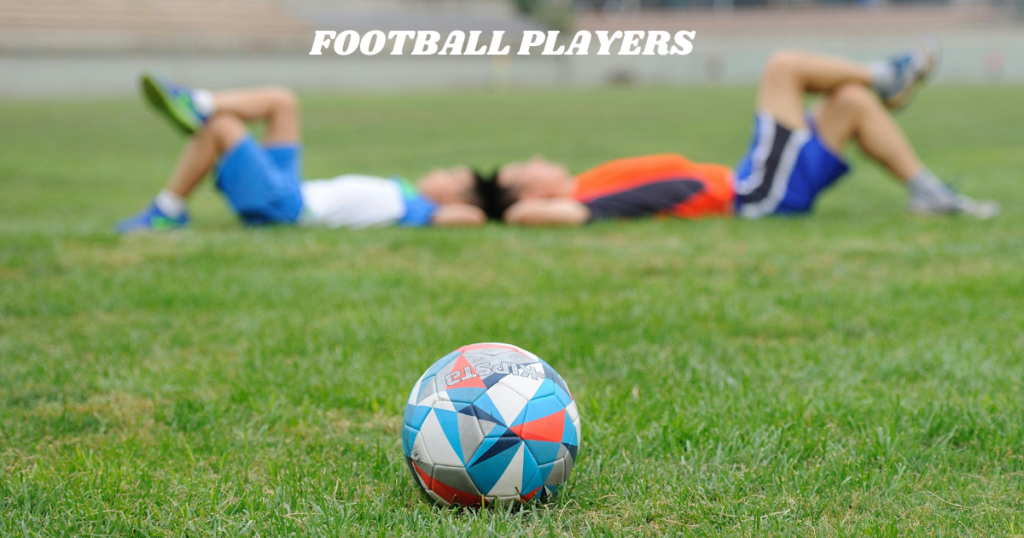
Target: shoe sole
x,y
163,104
903,98
977,213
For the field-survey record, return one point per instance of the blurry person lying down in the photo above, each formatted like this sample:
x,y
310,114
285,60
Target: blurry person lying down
x,y
794,155
262,181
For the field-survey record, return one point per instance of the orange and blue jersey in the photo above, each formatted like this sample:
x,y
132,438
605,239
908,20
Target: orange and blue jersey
x,y
667,185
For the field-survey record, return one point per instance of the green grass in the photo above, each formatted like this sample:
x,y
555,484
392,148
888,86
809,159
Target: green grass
x,y
855,373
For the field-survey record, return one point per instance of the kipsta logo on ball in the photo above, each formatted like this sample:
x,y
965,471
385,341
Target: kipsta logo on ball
x,y
490,423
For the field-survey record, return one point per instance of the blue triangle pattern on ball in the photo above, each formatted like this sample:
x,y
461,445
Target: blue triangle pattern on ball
x,y
415,415
569,432
531,474
572,450
449,421
480,414
426,388
543,451
563,396
551,374
484,406
492,446
492,379
464,395
545,471
408,438
486,472
546,388
542,407
538,408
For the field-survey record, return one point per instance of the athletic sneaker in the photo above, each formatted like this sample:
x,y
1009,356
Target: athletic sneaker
x,y
954,204
911,69
151,219
175,102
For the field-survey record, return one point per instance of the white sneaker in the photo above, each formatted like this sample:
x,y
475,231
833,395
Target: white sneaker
x,y
912,69
958,205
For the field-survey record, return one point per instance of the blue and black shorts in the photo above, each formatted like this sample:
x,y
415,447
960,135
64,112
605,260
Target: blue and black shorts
x,y
784,170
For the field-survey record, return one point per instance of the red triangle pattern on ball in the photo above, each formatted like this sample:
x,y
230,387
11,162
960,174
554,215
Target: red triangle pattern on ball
x,y
529,496
446,492
547,428
463,366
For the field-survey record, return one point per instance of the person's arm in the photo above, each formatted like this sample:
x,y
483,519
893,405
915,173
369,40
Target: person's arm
x,y
458,215
548,212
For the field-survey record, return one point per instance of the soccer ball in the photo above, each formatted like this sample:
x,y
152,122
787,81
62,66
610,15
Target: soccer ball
x,y
490,423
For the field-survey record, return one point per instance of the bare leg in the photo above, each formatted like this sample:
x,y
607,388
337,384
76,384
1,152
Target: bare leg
x,y
220,134
224,129
853,111
791,75
278,107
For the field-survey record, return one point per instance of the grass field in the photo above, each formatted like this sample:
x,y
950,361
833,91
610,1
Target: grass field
x,y
855,373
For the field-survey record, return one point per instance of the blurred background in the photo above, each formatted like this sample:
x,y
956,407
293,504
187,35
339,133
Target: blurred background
x,y
75,47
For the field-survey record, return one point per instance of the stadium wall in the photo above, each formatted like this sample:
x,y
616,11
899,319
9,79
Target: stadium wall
x,y
983,45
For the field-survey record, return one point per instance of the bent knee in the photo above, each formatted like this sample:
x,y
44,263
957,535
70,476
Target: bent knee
x,y
284,97
854,95
225,130
783,63
224,123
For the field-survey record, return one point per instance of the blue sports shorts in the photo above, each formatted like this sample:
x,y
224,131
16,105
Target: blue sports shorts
x,y
784,170
262,183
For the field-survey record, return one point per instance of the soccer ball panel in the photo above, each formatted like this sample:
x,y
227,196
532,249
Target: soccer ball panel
x,y
557,475
435,441
569,461
455,478
510,481
471,435
574,414
507,401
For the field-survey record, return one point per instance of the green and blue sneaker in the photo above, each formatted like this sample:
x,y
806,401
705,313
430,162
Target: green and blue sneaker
x,y
177,103
151,219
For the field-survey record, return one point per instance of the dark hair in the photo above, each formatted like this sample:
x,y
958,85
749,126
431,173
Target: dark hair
x,y
490,196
